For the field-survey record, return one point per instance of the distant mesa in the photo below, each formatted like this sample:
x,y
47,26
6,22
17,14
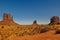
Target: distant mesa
x,y
55,20
7,19
35,22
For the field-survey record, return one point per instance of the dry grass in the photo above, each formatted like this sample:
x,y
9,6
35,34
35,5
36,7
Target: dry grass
x,y
44,36
29,32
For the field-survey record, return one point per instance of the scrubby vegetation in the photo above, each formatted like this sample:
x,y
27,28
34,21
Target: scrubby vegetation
x,y
23,30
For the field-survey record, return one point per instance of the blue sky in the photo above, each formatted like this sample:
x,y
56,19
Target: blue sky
x,y
26,11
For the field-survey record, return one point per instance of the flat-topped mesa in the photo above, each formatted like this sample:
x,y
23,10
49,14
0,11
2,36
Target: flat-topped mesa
x,y
35,23
7,17
55,20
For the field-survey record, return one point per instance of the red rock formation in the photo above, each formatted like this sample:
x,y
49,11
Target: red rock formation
x,y
7,19
35,23
55,20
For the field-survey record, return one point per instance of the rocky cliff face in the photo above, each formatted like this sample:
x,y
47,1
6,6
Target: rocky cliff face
x,y
55,20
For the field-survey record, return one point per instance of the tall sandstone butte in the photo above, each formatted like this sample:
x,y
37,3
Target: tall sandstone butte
x,y
7,19
55,20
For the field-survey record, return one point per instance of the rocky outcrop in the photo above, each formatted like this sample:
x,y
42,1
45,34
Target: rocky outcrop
x,y
7,17
55,20
7,20
35,22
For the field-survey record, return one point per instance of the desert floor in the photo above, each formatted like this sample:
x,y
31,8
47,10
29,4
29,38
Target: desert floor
x,y
44,36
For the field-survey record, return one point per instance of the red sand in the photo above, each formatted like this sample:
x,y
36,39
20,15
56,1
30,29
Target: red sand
x,y
44,36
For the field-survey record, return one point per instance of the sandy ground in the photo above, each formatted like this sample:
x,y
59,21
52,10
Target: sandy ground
x,y
43,36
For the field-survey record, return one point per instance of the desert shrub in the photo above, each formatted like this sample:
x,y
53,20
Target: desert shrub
x,y
57,27
57,31
53,27
44,29
2,26
17,34
35,30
